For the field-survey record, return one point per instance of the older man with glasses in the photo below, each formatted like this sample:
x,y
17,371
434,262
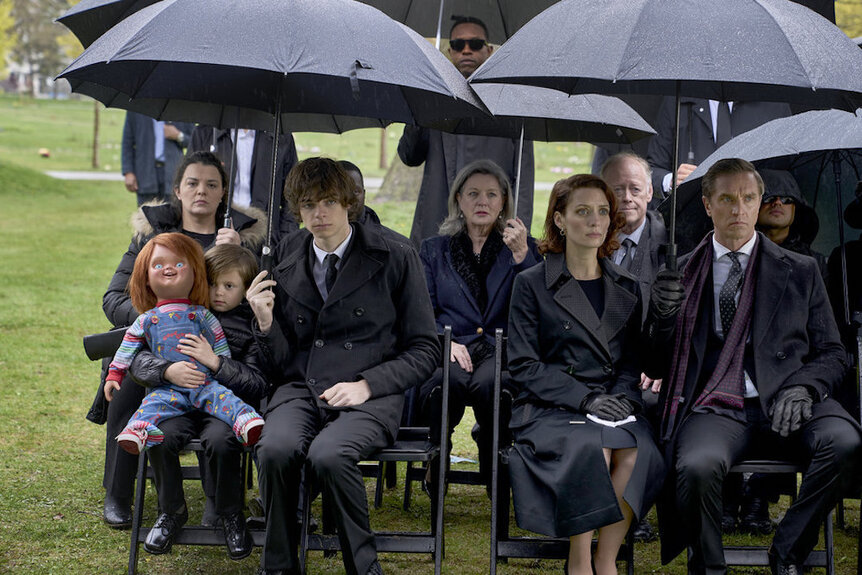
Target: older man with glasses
x,y
445,154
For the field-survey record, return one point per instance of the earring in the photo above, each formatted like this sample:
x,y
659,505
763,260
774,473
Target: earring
x,y
460,215
563,232
500,217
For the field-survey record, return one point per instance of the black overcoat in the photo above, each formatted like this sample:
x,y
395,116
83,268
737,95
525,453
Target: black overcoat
x,y
376,324
559,352
794,341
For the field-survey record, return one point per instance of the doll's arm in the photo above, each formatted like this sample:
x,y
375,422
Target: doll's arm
x,y
132,342
216,334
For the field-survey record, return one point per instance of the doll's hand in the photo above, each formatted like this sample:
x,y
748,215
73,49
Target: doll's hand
x,y
200,349
184,374
110,388
347,393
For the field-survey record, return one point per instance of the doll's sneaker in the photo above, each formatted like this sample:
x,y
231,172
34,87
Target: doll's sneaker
x,y
251,430
132,440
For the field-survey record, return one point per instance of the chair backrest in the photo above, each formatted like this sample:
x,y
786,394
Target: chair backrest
x,y
100,345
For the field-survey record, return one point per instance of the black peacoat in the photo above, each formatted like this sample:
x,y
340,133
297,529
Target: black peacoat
x,y
560,351
376,325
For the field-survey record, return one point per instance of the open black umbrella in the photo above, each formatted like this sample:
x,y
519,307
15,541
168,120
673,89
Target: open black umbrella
x,y
548,115
428,17
825,139
765,50
308,57
89,19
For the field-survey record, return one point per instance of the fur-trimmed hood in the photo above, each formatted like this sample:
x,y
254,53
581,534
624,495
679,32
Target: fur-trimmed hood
x,y
158,217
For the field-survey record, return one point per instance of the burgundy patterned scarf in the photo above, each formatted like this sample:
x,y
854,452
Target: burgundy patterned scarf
x,y
726,386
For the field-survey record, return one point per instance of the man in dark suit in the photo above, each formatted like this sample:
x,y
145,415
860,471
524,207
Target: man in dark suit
x,y
704,125
254,168
151,152
754,358
642,240
445,154
346,329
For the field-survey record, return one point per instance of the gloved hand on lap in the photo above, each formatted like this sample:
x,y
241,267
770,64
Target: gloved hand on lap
x,y
610,407
791,408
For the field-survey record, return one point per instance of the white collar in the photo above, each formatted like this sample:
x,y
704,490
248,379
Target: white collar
x,y
635,236
339,251
719,250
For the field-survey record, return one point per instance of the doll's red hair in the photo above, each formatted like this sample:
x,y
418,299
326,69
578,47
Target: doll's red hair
x,y
143,297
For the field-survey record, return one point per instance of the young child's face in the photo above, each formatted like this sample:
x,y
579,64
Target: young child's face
x,y
170,276
226,291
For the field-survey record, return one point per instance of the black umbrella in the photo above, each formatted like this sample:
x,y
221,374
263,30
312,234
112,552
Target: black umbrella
x,y
231,61
766,50
428,17
552,116
89,19
822,138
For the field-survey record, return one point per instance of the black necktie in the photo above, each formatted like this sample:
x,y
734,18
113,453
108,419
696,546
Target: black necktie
x,y
331,271
626,262
722,124
726,297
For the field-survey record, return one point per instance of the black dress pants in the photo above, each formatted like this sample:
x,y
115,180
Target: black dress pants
x,y
222,462
333,442
709,444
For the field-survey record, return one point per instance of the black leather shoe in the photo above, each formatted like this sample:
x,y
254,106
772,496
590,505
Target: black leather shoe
x,y
728,520
117,512
754,516
236,536
643,532
375,568
781,567
161,536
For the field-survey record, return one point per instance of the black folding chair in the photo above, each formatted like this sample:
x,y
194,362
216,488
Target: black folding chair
x,y
504,545
412,445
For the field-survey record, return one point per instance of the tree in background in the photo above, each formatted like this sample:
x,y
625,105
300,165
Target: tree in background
x,y
37,48
8,37
848,16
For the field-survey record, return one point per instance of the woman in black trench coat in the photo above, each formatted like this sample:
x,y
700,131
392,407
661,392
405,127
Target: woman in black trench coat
x,y
574,331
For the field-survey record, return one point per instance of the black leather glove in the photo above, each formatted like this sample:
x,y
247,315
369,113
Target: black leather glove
x,y
610,407
791,408
667,294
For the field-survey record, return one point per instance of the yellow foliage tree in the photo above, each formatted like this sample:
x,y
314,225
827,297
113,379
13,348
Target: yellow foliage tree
x,y
8,38
848,17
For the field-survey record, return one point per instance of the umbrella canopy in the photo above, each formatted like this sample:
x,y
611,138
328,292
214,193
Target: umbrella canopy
x,y
431,18
89,19
333,57
552,116
764,50
761,50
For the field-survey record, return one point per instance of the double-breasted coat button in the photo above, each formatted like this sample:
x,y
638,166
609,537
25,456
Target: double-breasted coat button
x,y
781,355
359,312
300,319
607,369
318,343
348,346
312,381
479,330
567,325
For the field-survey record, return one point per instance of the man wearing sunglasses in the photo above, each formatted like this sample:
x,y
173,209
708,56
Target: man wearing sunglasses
x,y
786,218
445,154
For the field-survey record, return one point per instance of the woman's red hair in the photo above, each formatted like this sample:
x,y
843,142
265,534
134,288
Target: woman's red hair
x,y
143,297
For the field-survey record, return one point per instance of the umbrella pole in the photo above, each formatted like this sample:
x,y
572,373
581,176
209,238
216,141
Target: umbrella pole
x,y
439,24
266,258
228,221
517,187
670,257
836,171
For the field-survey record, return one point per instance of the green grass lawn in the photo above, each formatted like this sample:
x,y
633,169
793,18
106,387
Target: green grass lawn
x,y
59,245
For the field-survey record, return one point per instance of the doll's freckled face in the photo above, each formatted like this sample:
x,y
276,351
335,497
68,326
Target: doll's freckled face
x,y
169,275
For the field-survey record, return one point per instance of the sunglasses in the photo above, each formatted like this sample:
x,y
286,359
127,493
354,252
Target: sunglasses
x,y
786,200
475,44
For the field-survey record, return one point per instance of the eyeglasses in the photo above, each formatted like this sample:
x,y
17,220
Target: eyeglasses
x,y
475,44
786,200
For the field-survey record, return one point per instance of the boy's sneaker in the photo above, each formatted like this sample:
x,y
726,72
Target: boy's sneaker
x,y
251,430
132,440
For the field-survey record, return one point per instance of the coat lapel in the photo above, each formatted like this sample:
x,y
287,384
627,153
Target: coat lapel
x,y
496,275
360,266
292,274
619,302
773,273
572,298
465,291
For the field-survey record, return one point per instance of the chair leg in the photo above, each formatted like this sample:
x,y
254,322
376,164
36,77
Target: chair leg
x,y
839,514
303,529
378,488
391,474
137,513
408,487
828,541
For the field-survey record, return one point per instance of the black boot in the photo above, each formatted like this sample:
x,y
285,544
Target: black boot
x,y
117,511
